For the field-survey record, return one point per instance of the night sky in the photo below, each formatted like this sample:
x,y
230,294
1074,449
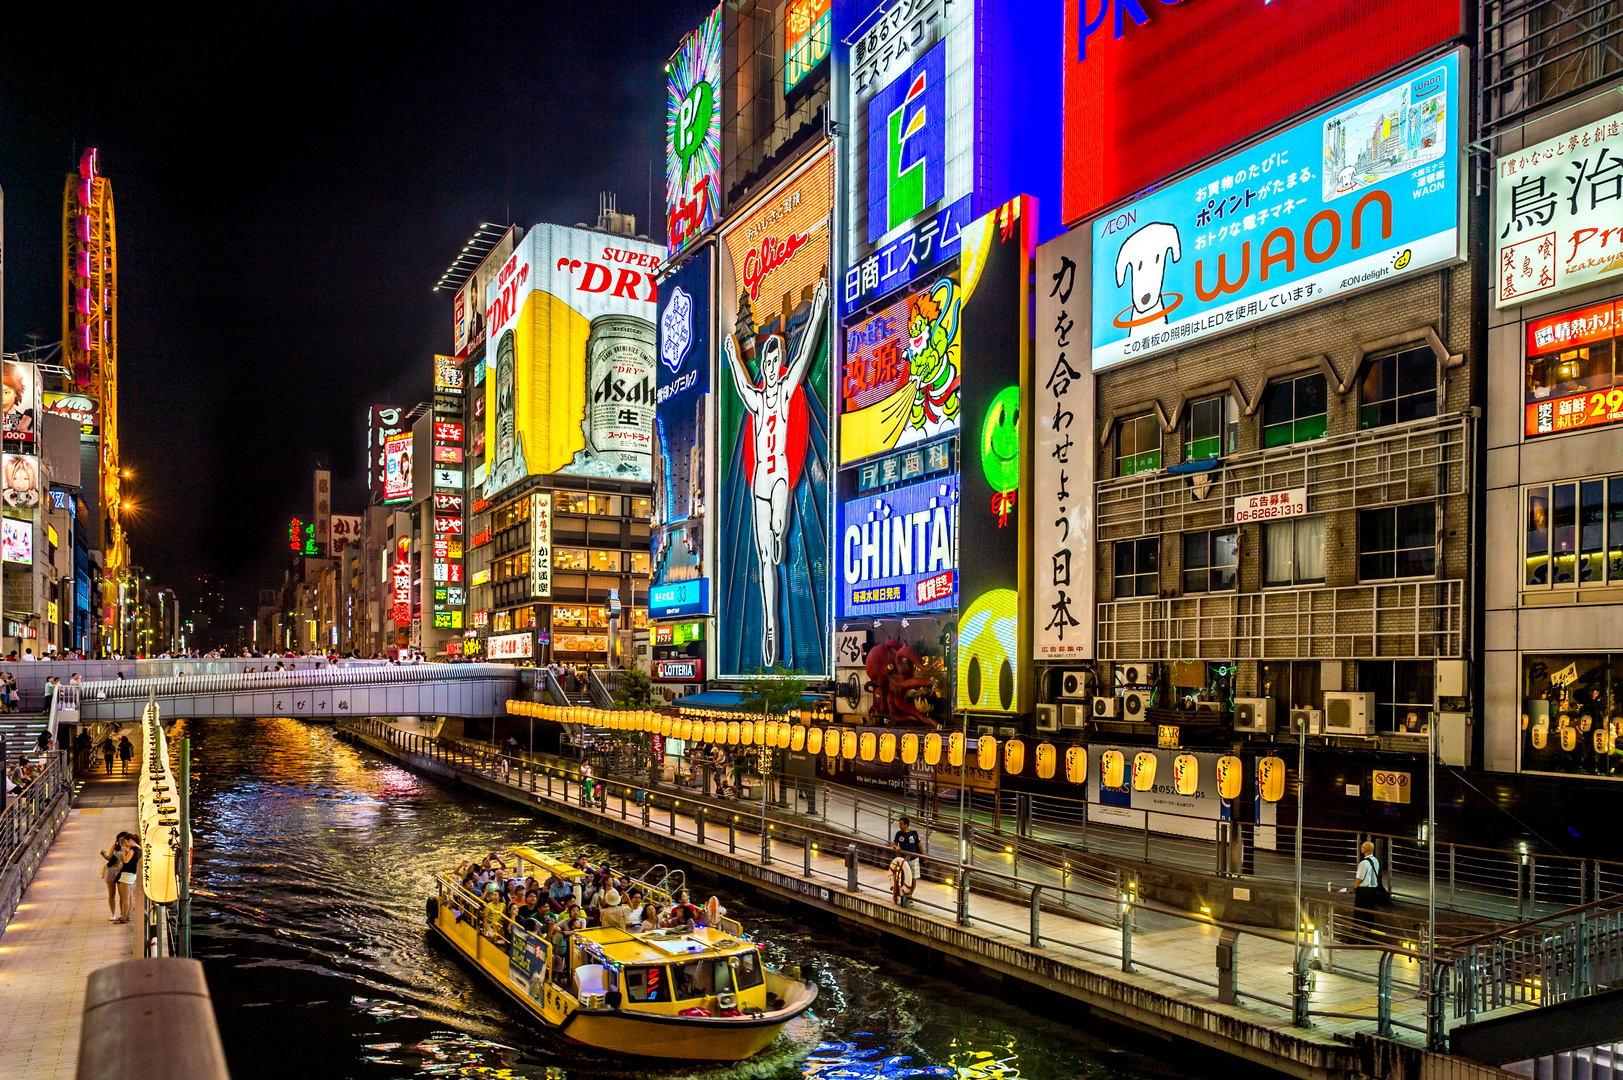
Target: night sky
x,y
290,180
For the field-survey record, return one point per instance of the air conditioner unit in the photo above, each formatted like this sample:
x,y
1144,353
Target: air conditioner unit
x,y
1107,707
850,699
984,729
1135,674
1254,714
1135,704
1349,713
1007,732
1213,707
1074,716
1313,718
1048,718
1073,684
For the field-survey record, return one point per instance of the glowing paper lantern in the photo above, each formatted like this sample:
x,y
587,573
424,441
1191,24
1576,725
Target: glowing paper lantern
x,y
665,726
932,749
786,735
771,734
1076,764
1271,779
848,744
746,733
955,749
1111,767
760,733
910,748
1541,735
707,731
1603,740
1185,774
732,733
1230,775
1569,738
814,741
867,745
832,742
685,730
1046,759
797,738
887,748
1143,770
986,753
1014,757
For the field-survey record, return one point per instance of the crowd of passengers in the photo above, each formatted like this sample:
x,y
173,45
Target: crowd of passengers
x,y
556,907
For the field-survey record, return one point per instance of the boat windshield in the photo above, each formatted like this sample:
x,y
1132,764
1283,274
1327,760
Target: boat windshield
x,y
723,975
647,984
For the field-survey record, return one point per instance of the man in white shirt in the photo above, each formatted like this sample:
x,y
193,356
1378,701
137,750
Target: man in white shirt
x,y
1367,886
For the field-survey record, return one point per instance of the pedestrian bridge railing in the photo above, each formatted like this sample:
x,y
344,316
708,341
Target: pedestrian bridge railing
x,y
1561,957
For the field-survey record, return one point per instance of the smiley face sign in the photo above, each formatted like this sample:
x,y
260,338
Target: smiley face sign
x,y
1000,448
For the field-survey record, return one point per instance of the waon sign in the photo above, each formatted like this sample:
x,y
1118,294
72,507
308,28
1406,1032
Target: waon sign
x,y
1154,86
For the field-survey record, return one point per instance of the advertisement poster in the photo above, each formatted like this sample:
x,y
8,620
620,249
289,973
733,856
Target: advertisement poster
x,y
510,647
693,135
994,632
1562,394
1135,75
1361,194
1168,812
80,408
19,392
571,358
384,423
681,400
808,31
1558,213
22,484
772,437
899,383
447,376
16,541
397,468
898,551
913,143
468,309
1063,457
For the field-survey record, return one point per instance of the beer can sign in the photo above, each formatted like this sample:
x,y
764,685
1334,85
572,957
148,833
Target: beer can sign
x,y
1143,771
1230,775
1185,774
620,362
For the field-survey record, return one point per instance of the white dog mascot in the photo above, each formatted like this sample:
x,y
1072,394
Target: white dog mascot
x,y
1144,257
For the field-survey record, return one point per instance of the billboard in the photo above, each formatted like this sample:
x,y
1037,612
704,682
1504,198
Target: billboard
x,y
468,309
1360,194
400,609
510,647
397,468
898,551
571,358
681,401
21,485
994,630
1556,213
322,496
1564,391
447,376
19,394
1062,455
346,530
384,422
693,135
80,408
541,544
913,145
17,541
1151,89
808,31
899,382
772,572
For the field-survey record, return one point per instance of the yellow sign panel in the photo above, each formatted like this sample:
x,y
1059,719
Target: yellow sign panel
x,y
1166,736
1392,787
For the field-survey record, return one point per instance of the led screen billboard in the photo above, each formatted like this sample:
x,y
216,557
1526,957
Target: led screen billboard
x,y
994,632
913,147
19,394
1153,88
397,468
1358,195
898,551
808,31
772,415
899,381
571,358
17,540
693,135
679,422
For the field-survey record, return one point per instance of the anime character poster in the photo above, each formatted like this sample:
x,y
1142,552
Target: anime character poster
x,y
772,429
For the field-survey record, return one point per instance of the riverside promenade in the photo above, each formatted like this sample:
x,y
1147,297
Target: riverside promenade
x,y
60,934
1123,960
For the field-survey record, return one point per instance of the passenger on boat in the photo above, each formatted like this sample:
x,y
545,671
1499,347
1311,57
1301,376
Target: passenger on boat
x,y
643,917
612,912
495,909
558,938
682,914
528,911
559,892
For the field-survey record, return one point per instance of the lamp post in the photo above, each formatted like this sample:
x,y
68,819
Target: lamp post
x,y
1299,1008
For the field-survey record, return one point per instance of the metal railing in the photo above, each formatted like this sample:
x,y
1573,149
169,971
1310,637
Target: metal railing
x,y
554,690
272,680
603,685
1563,956
28,824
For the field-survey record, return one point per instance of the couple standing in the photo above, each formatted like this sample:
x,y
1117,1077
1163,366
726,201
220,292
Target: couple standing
x,y
123,866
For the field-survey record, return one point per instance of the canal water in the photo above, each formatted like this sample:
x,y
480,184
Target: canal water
x,y
313,861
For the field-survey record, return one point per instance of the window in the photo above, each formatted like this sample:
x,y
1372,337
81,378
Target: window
x,y
605,562
578,502
642,509
1397,542
1211,429
1138,567
569,558
1573,533
1210,561
1403,692
1398,388
647,984
510,515
1293,684
1572,713
1293,552
1138,445
1294,411
639,562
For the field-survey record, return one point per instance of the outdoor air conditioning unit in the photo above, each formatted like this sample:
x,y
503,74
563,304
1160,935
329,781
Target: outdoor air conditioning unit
x,y
1074,717
1073,684
1048,718
1312,718
1254,714
1135,674
1007,732
1135,704
985,729
1349,713
1106,707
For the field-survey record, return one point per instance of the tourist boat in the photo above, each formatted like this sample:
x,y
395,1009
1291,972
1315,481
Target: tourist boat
x,y
696,995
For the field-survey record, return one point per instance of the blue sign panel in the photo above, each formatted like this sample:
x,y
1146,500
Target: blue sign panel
x,y
680,402
1361,194
679,598
899,550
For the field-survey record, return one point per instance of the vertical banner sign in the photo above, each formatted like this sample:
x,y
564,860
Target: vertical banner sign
x,y
679,424
693,135
1064,454
994,630
808,31
772,428
386,422
913,147
401,609
323,508
541,544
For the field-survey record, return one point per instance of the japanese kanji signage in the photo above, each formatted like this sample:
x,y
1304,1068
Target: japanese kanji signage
x,y
1270,506
913,139
1564,391
1558,213
1063,462
1356,196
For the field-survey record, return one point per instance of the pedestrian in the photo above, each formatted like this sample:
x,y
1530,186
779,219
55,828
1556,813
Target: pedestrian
x,y
130,850
110,871
1366,887
108,749
908,848
126,751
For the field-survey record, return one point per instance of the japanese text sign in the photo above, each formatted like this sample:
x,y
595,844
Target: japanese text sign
x,y
1270,506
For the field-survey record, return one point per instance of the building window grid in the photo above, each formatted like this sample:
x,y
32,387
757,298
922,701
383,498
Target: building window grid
x,y
1572,533
1211,561
1397,388
1138,567
1295,411
1397,542
1293,552
1138,445
1211,429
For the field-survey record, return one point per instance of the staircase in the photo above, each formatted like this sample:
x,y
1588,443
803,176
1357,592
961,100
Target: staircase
x,y
20,730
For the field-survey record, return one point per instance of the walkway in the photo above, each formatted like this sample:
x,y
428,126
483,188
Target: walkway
x,y
60,935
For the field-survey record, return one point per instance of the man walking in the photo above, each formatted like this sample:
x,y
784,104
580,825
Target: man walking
x,y
1366,887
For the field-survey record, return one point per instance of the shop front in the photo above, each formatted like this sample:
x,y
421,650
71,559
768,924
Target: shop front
x,y
1572,713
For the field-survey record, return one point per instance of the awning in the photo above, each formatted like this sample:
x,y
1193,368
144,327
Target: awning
x,y
732,700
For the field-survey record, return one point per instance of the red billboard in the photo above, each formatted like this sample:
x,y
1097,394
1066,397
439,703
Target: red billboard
x,y
1154,86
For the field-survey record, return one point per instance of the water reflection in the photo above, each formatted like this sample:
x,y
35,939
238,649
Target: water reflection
x,y
313,865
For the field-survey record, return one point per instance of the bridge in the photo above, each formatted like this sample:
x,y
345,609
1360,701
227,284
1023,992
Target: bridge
x,y
316,692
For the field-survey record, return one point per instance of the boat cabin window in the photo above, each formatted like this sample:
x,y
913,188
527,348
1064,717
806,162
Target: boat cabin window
x,y
746,970
694,980
647,984
729,974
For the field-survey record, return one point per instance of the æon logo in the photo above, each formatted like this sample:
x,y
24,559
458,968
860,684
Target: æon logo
x,y
1123,9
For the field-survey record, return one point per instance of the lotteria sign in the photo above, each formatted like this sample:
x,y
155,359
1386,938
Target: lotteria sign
x,y
1359,195
899,550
